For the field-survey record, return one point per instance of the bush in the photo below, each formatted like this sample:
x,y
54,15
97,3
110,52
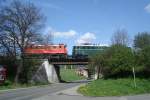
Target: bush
x,y
118,59
30,68
7,83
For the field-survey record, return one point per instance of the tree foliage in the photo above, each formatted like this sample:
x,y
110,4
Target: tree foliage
x,y
142,40
114,60
19,26
144,57
121,58
142,52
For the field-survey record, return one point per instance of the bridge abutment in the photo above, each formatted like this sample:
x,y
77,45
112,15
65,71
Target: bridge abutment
x,y
52,72
47,73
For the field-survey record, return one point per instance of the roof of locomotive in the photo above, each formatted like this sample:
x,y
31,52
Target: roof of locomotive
x,y
47,45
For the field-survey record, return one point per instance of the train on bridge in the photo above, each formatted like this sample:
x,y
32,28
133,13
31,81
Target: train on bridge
x,y
51,51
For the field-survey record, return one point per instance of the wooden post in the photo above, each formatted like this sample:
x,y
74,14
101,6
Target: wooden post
x,y
134,76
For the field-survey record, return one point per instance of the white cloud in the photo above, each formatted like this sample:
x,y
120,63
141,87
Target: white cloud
x,y
59,34
86,38
66,34
104,44
147,8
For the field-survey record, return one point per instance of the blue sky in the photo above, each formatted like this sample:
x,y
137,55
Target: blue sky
x,y
79,21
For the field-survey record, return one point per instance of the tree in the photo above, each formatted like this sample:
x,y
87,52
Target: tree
x,y
97,62
120,37
48,38
19,26
119,59
144,56
142,40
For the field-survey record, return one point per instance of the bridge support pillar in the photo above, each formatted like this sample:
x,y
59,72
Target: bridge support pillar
x,y
52,72
47,73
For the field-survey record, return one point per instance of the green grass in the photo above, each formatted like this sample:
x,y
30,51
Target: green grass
x,y
13,86
117,87
10,85
69,75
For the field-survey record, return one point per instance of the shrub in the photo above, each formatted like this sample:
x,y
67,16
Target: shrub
x,y
118,59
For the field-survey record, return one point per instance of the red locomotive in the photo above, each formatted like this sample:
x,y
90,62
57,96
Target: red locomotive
x,y
48,50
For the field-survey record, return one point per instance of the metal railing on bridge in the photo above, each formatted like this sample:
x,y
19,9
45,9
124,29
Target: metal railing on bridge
x,y
64,60
70,60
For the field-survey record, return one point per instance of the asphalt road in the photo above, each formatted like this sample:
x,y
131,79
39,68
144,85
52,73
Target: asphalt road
x,y
51,92
36,92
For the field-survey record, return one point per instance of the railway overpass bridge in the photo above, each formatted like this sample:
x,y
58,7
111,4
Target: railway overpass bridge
x,y
50,69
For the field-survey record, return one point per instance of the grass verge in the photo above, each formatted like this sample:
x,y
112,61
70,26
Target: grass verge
x,y
69,75
118,87
10,85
